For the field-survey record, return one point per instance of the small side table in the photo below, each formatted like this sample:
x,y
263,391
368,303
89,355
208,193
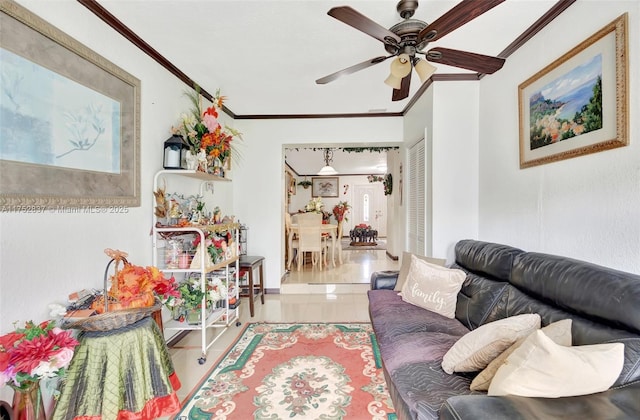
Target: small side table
x,y
249,263
125,373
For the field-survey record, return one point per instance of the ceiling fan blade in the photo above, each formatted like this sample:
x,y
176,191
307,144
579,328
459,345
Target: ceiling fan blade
x,y
352,69
403,92
463,12
485,64
362,23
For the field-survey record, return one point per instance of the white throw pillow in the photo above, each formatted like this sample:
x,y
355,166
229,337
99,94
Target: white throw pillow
x,y
559,332
542,368
476,349
406,264
433,287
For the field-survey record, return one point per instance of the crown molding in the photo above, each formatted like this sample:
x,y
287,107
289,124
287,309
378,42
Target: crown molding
x,y
131,36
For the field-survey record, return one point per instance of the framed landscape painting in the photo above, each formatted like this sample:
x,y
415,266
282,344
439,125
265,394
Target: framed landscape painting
x,y
326,186
577,104
69,120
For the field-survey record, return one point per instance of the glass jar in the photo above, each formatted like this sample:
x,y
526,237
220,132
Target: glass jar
x,y
173,251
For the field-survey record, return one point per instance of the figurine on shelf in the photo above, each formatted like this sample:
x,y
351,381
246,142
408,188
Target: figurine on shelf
x,y
175,212
202,161
192,161
217,215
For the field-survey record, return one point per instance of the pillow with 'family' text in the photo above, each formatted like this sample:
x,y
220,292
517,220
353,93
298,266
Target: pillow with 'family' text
x,y
433,287
406,264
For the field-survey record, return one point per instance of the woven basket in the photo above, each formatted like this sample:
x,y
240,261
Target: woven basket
x,y
115,319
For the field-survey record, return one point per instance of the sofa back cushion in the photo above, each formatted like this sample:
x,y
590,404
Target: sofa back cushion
x,y
584,330
488,267
591,291
492,260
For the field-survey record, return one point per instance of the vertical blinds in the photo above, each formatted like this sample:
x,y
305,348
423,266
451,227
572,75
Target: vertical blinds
x,y
416,190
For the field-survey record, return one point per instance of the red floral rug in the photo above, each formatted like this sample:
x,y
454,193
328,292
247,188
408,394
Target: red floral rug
x,y
305,371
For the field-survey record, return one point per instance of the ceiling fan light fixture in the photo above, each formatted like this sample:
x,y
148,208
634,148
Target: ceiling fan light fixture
x,y
401,66
424,69
393,81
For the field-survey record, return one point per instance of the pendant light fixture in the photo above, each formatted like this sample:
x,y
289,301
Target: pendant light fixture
x,y
327,169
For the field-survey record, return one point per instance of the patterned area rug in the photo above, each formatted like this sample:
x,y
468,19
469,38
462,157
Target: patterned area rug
x,y
302,371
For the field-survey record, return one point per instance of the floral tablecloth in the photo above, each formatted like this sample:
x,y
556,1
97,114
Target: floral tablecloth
x,y
120,374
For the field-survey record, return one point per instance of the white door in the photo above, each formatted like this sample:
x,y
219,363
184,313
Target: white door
x,y
369,206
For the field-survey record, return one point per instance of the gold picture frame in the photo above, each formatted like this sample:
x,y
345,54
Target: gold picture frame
x,y
85,150
559,123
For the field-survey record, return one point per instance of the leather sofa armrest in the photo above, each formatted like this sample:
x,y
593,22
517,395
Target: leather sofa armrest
x,y
621,403
384,279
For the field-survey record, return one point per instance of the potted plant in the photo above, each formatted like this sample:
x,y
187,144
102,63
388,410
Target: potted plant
x,y
305,183
190,301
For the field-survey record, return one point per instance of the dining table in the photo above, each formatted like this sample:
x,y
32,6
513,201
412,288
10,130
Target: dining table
x,y
326,228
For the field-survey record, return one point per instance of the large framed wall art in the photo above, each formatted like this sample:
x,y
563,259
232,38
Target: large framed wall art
x,y
577,104
69,120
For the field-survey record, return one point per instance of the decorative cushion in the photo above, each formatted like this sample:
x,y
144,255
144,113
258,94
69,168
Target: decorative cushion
x,y
559,332
476,349
406,263
433,287
542,368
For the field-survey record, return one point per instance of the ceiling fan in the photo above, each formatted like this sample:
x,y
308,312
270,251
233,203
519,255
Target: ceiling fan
x,y
407,39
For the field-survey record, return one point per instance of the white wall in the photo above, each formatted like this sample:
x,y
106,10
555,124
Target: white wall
x,y
454,161
47,256
447,118
258,182
586,207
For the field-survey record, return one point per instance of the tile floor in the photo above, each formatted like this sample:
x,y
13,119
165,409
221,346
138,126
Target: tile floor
x,y
309,295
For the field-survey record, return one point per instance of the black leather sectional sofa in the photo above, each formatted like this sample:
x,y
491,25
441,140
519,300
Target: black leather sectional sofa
x,y
503,281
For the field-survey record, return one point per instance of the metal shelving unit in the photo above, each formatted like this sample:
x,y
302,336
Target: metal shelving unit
x,y
211,318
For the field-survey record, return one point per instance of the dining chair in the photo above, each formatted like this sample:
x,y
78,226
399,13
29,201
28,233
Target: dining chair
x,y
294,242
310,239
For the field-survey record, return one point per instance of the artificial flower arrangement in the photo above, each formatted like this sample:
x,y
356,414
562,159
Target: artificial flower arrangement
x,y
135,286
217,245
34,352
206,138
340,210
188,306
314,205
386,180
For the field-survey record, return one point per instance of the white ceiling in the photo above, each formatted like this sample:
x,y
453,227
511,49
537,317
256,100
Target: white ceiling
x,y
266,55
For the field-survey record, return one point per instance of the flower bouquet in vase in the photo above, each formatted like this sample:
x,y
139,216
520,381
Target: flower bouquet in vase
x,y
28,355
210,143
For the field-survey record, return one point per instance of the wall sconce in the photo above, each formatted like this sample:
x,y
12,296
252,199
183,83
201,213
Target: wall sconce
x,y
174,152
